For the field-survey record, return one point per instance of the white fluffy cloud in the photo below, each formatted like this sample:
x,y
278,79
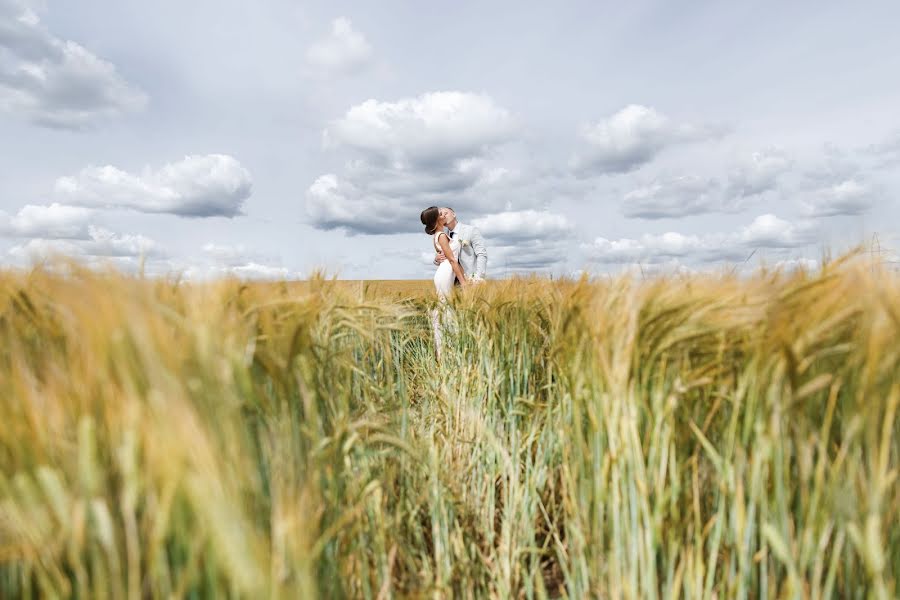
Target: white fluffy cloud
x,y
343,50
796,264
435,149
55,221
53,82
433,127
631,138
515,226
198,186
766,231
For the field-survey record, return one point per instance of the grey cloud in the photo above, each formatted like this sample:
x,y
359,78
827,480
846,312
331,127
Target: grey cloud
x,y
53,82
836,186
631,138
886,152
526,240
758,174
689,195
197,186
333,203
403,156
850,197
674,198
533,256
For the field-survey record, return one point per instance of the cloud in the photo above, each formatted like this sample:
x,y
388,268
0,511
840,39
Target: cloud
x,y
758,174
517,226
55,221
229,255
343,50
224,260
53,82
796,264
766,231
849,197
836,185
631,138
525,241
531,256
650,248
886,152
107,243
99,243
433,127
213,185
688,195
258,271
333,203
198,272
674,198
436,149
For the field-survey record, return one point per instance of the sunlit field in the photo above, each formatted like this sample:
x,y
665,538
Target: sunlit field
x,y
711,436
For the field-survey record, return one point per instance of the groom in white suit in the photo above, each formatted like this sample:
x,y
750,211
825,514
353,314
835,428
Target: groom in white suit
x,y
472,254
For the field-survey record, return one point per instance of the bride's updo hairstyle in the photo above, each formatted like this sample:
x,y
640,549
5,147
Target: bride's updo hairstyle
x,y
430,217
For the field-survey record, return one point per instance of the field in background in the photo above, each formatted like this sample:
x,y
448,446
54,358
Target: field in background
x,y
695,437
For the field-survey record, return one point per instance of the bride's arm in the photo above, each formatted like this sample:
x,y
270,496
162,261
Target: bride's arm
x,y
457,269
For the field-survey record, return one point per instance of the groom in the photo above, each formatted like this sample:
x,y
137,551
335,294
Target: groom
x,y
472,255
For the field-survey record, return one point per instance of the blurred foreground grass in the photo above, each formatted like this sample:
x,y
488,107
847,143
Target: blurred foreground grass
x,y
698,437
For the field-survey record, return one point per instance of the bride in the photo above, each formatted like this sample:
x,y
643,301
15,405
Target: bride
x,y
448,271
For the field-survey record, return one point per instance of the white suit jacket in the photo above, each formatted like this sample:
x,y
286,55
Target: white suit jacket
x,y
473,253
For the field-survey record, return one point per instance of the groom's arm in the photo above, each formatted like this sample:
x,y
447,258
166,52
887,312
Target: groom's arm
x,y
480,253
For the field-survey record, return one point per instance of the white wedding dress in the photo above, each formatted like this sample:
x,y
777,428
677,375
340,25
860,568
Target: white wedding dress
x,y
444,277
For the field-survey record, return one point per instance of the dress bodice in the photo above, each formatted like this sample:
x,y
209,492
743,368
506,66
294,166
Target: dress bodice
x,y
454,244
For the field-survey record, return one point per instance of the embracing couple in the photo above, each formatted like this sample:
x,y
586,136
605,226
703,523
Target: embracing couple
x,y
461,257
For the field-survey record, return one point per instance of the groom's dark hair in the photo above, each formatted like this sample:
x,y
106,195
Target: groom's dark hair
x,y
430,218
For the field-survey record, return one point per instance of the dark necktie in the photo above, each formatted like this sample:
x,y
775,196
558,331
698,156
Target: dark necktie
x,y
452,233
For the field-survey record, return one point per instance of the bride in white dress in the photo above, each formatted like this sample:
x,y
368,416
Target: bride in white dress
x,y
447,272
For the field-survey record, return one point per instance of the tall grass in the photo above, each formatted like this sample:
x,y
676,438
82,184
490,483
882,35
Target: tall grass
x,y
697,437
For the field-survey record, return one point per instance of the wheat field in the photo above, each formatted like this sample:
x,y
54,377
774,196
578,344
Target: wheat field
x,y
708,436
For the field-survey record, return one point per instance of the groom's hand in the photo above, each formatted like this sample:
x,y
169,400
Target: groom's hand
x,y
439,258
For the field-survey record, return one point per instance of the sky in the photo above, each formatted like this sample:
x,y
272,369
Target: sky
x,y
279,138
